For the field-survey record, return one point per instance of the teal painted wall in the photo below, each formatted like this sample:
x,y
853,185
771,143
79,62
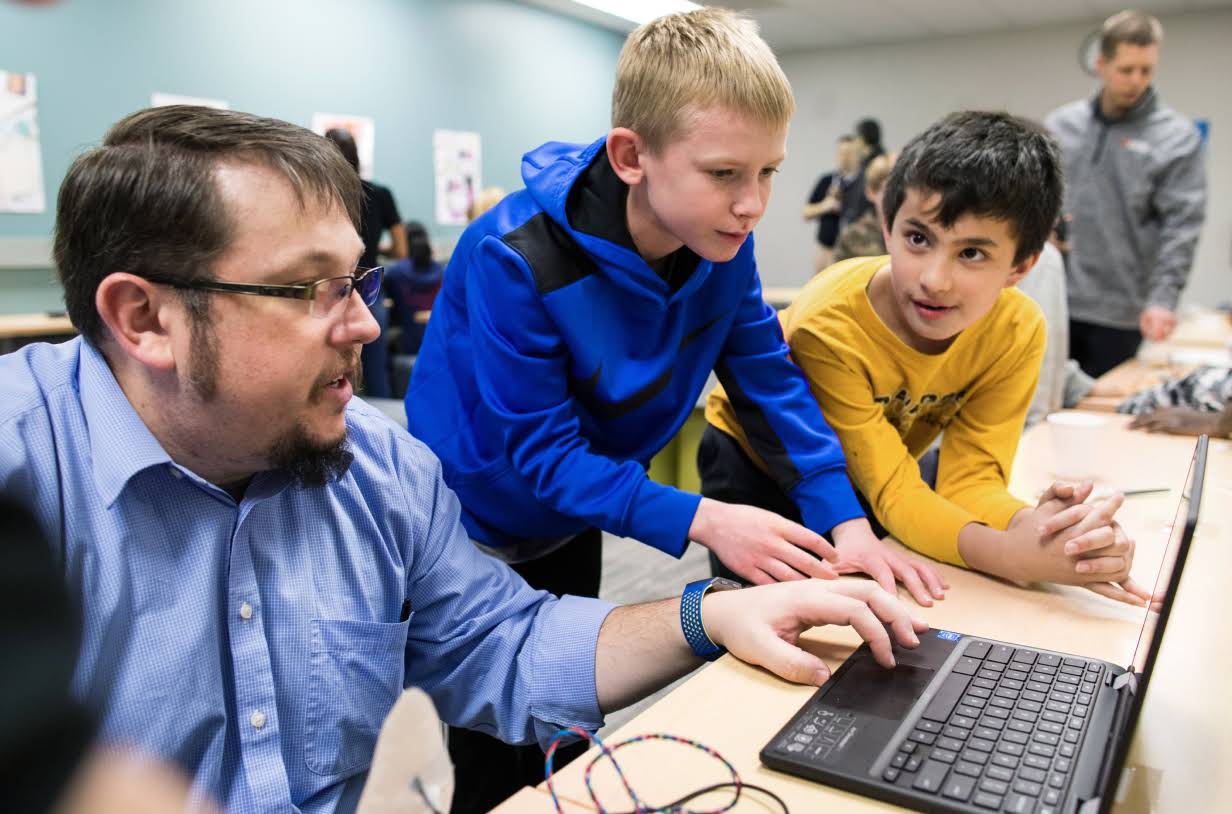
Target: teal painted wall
x,y
516,74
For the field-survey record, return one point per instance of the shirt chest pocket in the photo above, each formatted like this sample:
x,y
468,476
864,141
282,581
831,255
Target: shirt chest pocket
x,y
355,676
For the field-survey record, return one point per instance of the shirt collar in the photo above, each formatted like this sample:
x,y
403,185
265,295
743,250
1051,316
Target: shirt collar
x,y
121,445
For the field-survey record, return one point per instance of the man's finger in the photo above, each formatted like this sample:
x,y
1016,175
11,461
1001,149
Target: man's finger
x,y
803,561
787,660
890,610
780,570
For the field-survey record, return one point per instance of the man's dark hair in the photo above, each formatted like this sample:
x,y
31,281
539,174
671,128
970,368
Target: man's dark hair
x,y
345,141
146,202
986,164
1129,27
869,131
846,137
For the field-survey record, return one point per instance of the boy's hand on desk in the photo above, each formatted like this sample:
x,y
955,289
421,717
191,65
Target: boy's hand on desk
x,y
859,550
761,546
763,625
1068,541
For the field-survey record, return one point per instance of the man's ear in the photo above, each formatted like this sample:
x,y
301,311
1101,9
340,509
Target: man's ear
x,y
140,316
625,149
1021,269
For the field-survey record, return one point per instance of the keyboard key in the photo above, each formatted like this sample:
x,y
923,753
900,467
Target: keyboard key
x,y
1011,683
943,756
926,738
1046,737
1028,788
1051,797
1067,750
1041,749
989,675
907,746
1057,781
1062,765
1054,717
890,775
994,786
1072,736
1072,662
946,699
956,732
1025,715
978,692
968,768
1024,656
987,734
999,773
989,722
1018,804
1088,687
899,760
1016,675
1050,659
1050,727
1015,749
931,776
958,787
985,800
977,649
1030,706
1005,692
965,721
1008,761
928,726
995,667
972,756
1080,710
982,744
1063,697
1003,703
1035,762
952,744
997,712
984,683
1032,775
1000,653
913,763
1013,736
1039,687
964,711
967,666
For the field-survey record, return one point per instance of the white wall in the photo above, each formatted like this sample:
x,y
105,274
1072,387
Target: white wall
x,y
910,85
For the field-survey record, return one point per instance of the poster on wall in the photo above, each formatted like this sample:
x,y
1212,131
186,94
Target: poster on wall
x,y
164,99
361,128
457,163
21,157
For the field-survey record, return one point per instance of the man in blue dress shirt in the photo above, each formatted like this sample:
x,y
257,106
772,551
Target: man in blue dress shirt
x,y
263,562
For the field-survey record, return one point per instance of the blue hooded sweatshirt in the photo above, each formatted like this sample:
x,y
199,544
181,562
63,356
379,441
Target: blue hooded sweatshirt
x,y
557,363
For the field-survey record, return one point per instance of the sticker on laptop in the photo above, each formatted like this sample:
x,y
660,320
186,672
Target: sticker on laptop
x,y
948,635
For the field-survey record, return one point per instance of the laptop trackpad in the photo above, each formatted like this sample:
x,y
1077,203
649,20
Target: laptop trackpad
x,y
867,687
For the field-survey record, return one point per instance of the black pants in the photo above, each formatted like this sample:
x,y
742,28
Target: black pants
x,y
487,770
1099,349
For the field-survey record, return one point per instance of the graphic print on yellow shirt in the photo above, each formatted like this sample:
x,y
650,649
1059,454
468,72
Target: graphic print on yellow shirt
x,y
888,402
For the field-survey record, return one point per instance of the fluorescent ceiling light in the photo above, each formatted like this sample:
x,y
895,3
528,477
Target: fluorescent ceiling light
x,y
639,11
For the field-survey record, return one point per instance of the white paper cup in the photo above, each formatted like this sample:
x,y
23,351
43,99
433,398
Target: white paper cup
x,y
1076,444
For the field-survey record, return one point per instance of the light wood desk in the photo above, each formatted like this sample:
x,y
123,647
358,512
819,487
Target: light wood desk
x,y
1183,741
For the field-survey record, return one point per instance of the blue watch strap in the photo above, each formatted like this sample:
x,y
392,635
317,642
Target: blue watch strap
x,y
691,616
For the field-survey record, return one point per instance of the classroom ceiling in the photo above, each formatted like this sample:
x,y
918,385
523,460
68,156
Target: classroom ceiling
x,y
801,25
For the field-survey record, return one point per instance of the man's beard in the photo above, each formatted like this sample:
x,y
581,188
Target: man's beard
x,y
309,461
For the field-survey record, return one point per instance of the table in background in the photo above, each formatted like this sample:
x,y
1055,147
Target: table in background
x,y
1183,741
14,328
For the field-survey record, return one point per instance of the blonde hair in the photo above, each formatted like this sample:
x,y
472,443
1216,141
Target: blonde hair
x,y
679,64
877,171
485,199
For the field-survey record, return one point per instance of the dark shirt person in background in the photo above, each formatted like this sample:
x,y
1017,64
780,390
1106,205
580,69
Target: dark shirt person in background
x,y
827,199
412,283
379,214
868,147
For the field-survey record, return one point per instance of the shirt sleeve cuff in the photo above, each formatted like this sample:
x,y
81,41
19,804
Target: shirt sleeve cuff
x,y
662,517
827,499
562,660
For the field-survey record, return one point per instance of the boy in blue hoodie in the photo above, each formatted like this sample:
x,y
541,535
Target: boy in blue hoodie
x,y
580,318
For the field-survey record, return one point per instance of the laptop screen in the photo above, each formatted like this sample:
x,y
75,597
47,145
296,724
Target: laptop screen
x,y
1151,635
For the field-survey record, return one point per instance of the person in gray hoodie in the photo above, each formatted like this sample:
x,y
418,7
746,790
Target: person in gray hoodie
x,y
1136,192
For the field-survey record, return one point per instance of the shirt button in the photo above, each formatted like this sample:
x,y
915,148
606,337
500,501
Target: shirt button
x,y
245,611
257,719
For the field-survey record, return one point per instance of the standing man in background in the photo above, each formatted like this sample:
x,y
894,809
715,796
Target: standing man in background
x,y
1136,190
827,199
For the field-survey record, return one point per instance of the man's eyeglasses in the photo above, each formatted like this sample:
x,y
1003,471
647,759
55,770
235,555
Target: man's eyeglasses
x,y
324,295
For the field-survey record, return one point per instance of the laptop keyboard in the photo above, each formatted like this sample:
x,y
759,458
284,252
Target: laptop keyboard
x,y
1002,732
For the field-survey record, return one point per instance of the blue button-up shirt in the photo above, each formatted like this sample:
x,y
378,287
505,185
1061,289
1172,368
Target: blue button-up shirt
x,y
258,643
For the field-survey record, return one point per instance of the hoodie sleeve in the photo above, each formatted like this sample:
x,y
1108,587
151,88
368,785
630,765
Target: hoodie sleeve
x,y
781,418
1180,200
521,366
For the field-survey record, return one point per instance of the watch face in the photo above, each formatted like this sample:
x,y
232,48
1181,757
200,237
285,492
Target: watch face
x,y
1088,51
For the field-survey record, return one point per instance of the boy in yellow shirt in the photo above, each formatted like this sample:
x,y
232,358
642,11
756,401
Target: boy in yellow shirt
x,y
935,340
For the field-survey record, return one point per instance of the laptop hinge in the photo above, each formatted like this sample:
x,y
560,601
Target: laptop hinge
x,y
1125,681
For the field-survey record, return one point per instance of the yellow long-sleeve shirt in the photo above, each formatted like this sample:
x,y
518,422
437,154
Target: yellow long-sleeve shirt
x,y
887,403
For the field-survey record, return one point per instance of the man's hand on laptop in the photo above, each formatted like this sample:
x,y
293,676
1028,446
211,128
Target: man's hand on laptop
x,y
762,625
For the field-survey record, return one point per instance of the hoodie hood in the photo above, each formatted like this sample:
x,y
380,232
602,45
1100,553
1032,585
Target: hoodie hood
x,y
576,187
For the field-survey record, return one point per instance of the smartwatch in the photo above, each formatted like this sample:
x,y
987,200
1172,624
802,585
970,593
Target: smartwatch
x,y
691,615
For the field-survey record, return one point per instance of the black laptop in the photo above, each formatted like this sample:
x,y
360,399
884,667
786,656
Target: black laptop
x,y
964,724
